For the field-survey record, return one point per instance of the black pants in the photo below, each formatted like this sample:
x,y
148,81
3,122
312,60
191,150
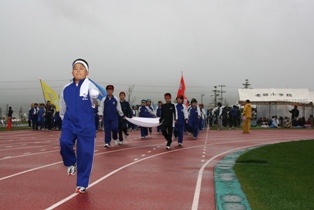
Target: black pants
x,y
123,127
234,121
34,123
167,133
48,122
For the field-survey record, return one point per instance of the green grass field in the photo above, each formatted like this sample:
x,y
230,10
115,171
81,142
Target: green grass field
x,y
279,176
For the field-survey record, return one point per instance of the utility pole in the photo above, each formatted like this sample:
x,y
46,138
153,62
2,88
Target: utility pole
x,y
202,98
216,93
246,84
221,91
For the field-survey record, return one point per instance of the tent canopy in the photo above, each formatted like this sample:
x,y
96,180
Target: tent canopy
x,y
277,96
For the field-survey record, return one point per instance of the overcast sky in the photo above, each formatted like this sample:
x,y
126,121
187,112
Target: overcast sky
x,y
149,42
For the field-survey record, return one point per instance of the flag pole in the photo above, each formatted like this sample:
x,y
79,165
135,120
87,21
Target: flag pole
x,y
42,90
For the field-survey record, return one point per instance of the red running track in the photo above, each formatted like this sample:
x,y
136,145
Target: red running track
x,y
141,174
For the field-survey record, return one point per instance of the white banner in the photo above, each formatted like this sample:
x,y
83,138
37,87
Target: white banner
x,y
272,95
144,122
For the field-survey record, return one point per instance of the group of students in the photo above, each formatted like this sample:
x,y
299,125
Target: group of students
x,y
44,117
78,101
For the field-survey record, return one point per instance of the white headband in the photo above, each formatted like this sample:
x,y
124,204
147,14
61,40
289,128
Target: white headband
x,y
82,62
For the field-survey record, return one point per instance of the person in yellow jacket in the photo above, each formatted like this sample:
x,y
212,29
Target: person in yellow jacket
x,y
246,117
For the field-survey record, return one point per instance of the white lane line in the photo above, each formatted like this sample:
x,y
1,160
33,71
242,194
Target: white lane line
x,y
143,155
106,176
30,154
42,150
200,176
33,169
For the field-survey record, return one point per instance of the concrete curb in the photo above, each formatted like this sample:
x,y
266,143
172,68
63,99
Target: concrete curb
x,y
228,191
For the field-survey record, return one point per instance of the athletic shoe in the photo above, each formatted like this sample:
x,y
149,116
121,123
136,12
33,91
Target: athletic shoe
x,y
115,142
71,170
107,145
167,147
120,142
126,135
143,137
80,190
194,137
180,144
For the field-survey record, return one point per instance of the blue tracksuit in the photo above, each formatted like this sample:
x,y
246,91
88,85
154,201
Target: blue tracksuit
x,y
180,124
158,114
144,111
194,120
78,123
41,118
110,109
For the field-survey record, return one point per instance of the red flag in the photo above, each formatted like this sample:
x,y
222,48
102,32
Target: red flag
x,y
181,91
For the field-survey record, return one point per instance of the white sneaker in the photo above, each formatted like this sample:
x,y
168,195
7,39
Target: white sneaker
x,y
116,142
180,144
71,170
167,147
107,145
80,190
120,142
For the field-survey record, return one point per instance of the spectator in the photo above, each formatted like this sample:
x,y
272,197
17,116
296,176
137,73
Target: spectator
x,y
302,122
275,122
294,112
295,122
309,123
10,112
286,122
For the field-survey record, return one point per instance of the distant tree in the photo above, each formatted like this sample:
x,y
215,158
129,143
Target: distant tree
x,y
129,95
246,84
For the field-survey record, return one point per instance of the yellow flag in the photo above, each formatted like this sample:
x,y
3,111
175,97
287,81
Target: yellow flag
x,y
50,95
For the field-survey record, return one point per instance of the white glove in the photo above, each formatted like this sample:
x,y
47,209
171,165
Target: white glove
x,y
94,93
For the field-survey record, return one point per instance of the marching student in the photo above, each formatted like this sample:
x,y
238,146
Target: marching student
x,y
76,109
123,123
110,110
194,117
49,115
144,111
182,119
158,114
149,105
134,114
169,116
41,117
35,116
30,115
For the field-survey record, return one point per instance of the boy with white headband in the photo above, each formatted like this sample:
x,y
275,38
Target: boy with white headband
x,y
77,101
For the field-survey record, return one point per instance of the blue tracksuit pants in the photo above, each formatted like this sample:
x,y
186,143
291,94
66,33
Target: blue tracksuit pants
x,y
85,146
179,129
144,132
111,126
